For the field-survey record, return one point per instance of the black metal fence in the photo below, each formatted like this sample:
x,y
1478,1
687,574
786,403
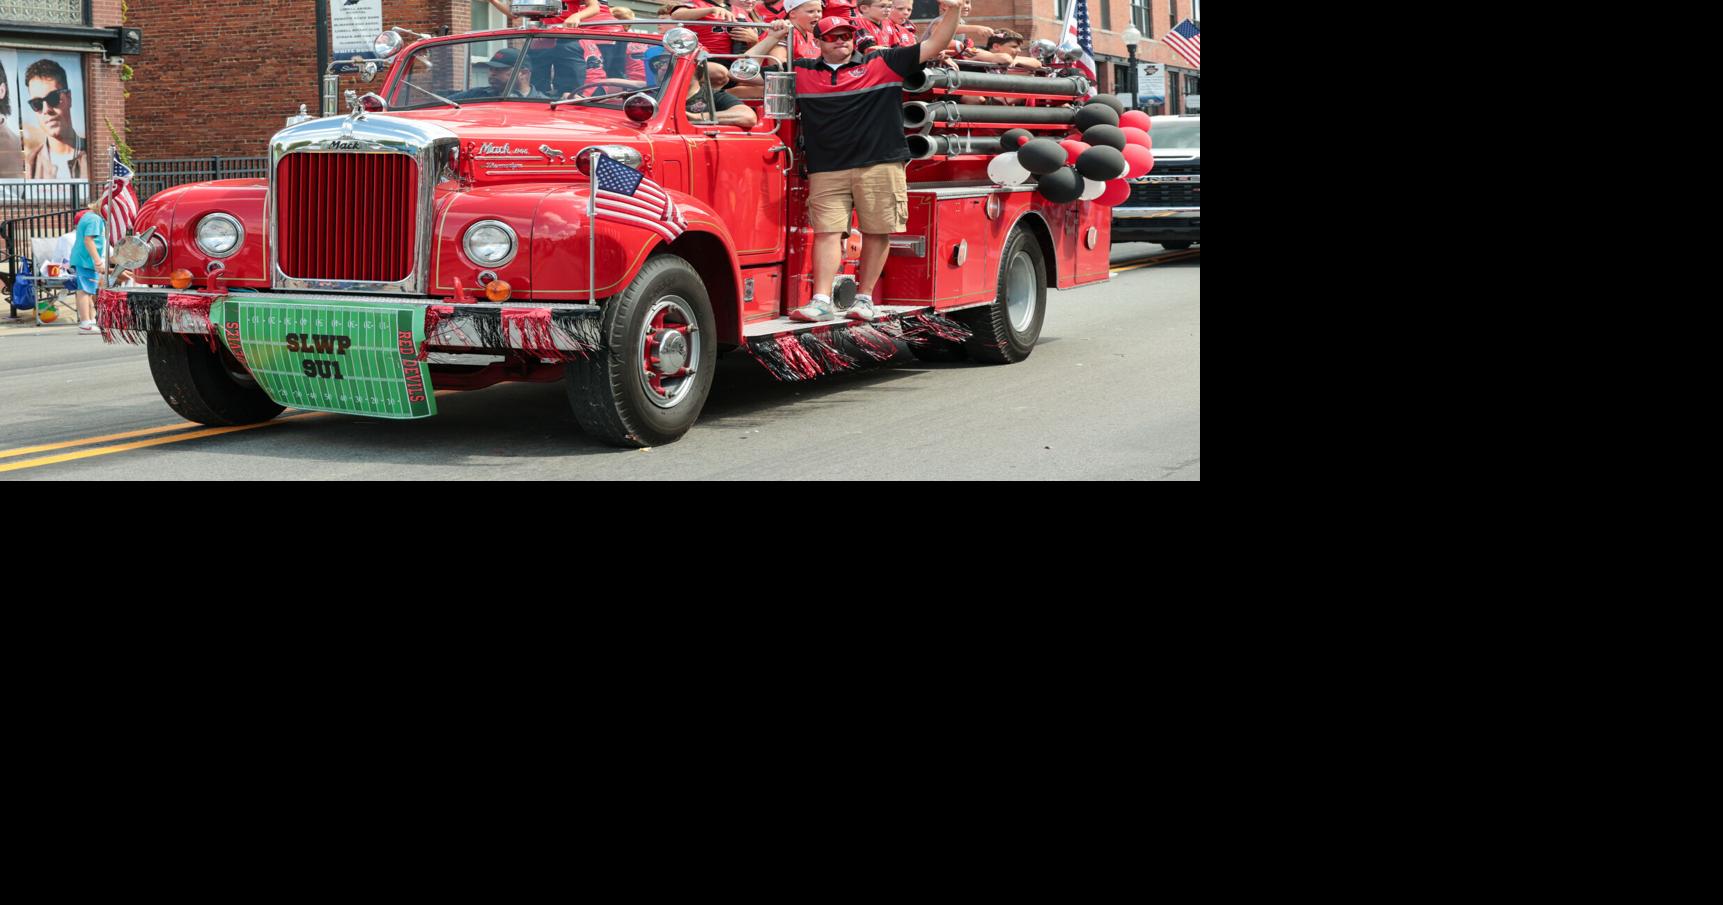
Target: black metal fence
x,y
153,176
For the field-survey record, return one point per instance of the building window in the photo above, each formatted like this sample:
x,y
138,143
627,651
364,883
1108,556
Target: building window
x,y
1172,14
43,12
1106,16
1140,17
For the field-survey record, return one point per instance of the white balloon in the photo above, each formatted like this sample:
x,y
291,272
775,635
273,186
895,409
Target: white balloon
x,y
1005,170
1092,190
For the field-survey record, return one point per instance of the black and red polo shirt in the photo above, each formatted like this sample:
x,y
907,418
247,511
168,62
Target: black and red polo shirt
x,y
853,116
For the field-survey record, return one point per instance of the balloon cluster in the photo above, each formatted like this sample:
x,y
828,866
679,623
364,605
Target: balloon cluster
x,y
1113,149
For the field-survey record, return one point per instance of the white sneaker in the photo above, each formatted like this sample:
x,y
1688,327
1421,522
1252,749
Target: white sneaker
x,y
89,327
817,310
862,309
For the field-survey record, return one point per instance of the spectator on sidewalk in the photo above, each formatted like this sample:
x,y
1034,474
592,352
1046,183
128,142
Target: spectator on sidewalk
x,y
89,259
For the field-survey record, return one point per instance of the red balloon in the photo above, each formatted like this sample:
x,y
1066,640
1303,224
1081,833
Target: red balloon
x,y
1073,150
1135,119
1140,159
1135,136
1117,191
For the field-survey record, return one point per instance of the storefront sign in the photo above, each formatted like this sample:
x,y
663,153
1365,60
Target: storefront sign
x,y
1151,84
353,26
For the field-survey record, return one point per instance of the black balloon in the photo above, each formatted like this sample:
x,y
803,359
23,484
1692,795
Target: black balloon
x,y
1101,164
1042,156
1108,136
1111,101
1095,115
1061,186
1013,139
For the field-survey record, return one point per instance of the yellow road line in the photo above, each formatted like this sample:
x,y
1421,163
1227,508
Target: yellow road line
x,y
50,447
143,444
127,447
1163,259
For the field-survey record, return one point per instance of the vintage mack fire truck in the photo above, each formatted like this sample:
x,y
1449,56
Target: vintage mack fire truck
x,y
455,230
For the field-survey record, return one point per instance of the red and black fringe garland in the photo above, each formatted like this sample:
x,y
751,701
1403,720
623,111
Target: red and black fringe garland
x,y
192,310
130,316
436,318
927,327
528,329
806,366
818,342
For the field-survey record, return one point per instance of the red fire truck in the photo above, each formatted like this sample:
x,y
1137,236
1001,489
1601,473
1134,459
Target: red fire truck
x,y
447,234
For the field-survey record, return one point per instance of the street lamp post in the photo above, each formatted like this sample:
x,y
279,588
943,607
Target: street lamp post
x,y
1132,39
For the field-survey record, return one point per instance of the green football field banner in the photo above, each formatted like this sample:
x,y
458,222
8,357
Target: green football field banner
x,y
356,358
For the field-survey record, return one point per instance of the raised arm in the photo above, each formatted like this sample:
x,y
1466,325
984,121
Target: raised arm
x,y
942,31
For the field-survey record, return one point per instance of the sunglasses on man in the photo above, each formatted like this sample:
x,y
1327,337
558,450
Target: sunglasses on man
x,y
51,99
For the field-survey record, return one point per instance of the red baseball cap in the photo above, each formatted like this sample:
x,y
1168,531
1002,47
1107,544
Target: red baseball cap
x,y
831,24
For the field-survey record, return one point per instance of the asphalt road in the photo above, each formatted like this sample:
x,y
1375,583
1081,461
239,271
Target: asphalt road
x,y
1113,392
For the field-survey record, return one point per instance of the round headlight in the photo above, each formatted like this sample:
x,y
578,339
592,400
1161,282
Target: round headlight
x,y
219,235
490,243
681,42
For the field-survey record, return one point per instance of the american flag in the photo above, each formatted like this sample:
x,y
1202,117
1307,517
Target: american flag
x,y
1187,41
625,195
119,202
1078,37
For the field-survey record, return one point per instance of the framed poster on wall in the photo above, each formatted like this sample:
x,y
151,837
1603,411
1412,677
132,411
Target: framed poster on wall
x,y
45,117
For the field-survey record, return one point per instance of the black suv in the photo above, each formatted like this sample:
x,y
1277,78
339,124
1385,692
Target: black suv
x,y
1166,205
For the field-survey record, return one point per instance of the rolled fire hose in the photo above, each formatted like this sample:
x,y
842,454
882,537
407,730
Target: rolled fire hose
x,y
921,147
922,115
999,83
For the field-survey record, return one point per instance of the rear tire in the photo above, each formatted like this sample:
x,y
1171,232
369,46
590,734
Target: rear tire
x,y
618,396
1007,330
206,386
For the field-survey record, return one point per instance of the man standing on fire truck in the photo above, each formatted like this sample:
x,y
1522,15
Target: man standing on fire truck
x,y
852,126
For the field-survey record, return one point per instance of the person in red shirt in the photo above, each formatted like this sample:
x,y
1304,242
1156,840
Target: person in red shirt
x,y
797,27
852,131
874,21
713,17
558,68
902,30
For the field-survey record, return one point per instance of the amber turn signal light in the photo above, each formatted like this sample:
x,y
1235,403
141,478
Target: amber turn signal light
x,y
181,279
498,291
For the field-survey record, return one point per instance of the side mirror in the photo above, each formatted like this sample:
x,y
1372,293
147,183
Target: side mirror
x,y
386,45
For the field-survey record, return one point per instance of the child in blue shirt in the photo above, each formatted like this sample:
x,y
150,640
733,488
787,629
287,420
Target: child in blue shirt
x,y
89,258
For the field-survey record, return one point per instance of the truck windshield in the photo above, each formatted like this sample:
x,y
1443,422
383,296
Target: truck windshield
x,y
528,70
1176,134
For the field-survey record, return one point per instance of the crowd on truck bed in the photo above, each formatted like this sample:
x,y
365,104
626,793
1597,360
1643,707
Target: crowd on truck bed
x,y
773,31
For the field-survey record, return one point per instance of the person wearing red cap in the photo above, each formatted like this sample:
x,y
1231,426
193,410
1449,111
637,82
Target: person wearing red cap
x,y
852,130
796,26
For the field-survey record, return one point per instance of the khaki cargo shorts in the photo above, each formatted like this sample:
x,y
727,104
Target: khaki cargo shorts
x,y
879,194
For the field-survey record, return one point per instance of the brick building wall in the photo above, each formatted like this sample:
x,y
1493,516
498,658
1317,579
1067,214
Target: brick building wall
x,y
106,95
220,82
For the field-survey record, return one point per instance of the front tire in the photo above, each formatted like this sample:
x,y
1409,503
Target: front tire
x,y
1007,330
206,386
649,383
